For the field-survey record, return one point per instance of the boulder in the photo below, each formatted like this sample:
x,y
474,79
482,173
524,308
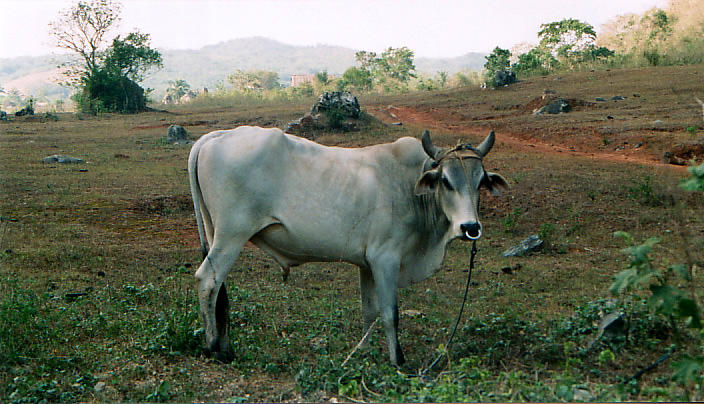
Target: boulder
x,y
503,78
336,110
556,106
28,110
526,247
61,159
342,102
3,116
176,134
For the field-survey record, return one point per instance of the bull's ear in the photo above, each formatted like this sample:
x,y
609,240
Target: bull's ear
x,y
495,183
428,182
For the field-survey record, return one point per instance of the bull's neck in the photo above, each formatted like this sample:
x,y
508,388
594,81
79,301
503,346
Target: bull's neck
x,y
432,221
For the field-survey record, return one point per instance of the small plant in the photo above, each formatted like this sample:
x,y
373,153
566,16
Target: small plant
x,y
692,130
161,392
672,292
511,220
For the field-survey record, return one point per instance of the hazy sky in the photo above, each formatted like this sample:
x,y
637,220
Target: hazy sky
x,y
429,27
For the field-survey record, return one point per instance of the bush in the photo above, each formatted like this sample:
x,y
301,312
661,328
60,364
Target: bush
x,y
105,91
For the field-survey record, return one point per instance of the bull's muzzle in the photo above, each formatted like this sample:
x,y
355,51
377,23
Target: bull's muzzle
x,y
472,231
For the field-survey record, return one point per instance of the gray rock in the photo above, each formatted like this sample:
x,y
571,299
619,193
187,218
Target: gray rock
x,y
61,159
600,99
618,98
176,133
100,386
503,78
3,116
528,246
658,122
556,106
581,394
341,101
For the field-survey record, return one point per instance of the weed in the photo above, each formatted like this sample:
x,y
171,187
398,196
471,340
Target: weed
x,y
692,130
511,220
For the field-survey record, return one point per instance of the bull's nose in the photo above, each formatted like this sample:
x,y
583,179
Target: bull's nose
x,y
471,230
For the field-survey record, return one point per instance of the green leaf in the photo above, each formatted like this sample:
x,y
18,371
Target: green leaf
x,y
623,281
665,298
687,310
682,271
624,235
687,370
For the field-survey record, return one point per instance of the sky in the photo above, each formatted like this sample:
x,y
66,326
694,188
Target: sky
x,y
430,28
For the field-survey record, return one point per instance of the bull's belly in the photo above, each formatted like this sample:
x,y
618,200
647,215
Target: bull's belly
x,y
290,249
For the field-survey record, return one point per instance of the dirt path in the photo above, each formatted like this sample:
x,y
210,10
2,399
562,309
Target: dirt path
x,y
430,120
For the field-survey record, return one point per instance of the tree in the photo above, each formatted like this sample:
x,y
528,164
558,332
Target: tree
x,y
177,89
536,61
357,79
132,57
391,70
497,60
82,30
106,76
571,41
254,80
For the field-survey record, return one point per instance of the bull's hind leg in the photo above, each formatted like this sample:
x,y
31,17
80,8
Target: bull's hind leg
x,y
212,295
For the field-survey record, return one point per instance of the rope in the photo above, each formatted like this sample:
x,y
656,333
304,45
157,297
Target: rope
x,y
459,315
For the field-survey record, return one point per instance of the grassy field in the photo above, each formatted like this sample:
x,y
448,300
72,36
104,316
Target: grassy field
x,y
97,297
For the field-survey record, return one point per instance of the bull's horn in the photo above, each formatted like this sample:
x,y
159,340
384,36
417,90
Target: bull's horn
x,y
486,145
428,146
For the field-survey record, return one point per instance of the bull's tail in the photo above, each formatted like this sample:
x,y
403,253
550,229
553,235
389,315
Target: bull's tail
x,y
198,203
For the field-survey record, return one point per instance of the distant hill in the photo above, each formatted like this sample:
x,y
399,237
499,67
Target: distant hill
x,y
207,66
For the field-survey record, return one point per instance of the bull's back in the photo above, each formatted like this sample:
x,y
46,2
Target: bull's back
x,y
304,200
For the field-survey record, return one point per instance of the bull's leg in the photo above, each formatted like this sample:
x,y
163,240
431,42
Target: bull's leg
x,y
386,282
212,295
368,297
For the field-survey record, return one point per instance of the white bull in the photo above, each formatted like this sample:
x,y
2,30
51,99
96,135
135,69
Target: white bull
x,y
390,209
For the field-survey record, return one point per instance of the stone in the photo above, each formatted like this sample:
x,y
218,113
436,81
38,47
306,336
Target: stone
x,y
337,110
342,101
176,133
3,116
600,99
556,106
62,159
25,111
504,78
581,394
618,98
100,386
526,247
670,158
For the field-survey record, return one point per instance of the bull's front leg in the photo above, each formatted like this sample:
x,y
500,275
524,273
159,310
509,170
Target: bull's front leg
x,y
385,271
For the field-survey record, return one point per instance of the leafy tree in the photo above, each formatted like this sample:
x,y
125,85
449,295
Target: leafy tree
x,y
177,89
106,76
497,60
390,70
571,41
536,61
82,30
322,78
254,80
132,57
357,79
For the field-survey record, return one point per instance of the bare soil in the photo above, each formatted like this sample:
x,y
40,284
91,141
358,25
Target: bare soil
x,y
658,113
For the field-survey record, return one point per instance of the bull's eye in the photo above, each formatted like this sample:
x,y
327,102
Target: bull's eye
x,y
446,184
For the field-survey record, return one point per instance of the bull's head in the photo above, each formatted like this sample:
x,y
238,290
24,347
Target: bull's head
x,y
455,176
